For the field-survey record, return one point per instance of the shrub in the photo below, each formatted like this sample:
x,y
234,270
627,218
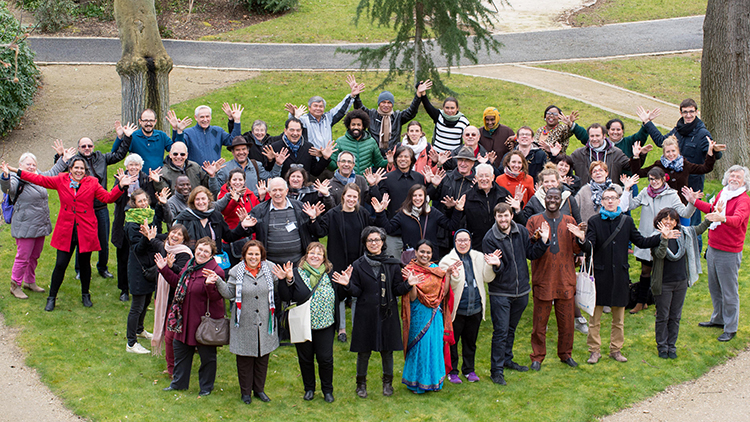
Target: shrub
x,y
53,15
18,73
270,6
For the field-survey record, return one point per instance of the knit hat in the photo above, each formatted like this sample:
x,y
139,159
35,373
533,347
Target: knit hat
x,y
386,96
491,111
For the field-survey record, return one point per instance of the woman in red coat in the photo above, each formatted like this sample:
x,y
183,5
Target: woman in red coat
x,y
76,221
242,197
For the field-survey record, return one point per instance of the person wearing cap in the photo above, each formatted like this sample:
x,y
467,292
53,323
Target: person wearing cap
x,y
254,171
385,123
469,301
493,135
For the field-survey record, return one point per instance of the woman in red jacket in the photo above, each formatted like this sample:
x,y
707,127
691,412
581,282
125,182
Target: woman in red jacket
x,y
242,197
76,221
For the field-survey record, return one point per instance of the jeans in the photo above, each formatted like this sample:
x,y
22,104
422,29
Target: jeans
x,y
138,309
506,313
102,231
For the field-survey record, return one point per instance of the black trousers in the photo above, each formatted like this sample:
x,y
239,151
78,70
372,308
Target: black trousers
x,y
138,309
386,360
321,348
63,259
183,363
465,328
251,373
123,254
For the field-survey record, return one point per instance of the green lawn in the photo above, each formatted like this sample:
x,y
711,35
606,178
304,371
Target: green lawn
x,y
314,21
614,11
80,353
669,78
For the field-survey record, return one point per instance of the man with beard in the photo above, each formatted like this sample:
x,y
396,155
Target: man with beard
x,y
553,280
358,141
151,143
601,149
509,291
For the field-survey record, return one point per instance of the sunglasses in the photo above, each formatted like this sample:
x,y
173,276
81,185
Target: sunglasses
x,y
179,154
86,146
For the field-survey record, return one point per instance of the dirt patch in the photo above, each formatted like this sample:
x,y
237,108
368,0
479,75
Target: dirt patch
x,y
570,17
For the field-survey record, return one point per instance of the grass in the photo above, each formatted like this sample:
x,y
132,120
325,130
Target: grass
x,y
615,11
80,352
313,21
669,78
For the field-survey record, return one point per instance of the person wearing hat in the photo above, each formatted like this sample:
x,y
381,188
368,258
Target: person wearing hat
x,y
254,171
385,123
493,135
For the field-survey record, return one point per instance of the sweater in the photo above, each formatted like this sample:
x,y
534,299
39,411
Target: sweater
x,y
729,236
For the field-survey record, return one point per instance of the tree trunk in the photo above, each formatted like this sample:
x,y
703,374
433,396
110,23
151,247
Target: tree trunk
x,y
725,79
418,30
145,65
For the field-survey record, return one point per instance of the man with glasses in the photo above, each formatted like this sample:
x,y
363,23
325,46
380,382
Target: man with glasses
x,y
607,237
345,175
151,143
471,140
177,164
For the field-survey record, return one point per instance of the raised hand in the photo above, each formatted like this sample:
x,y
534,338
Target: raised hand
x,y
262,189
69,153
482,159
544,231
513,202
237,110
343,277
290,108
183,124
381,205
323,188
573,116
281,156
356,88
654,113
160,261
691,195
427,173
118,129
124,179
667,233
329,149
58,147
520,192
411,278
210,275
455,268
555,149
129,129
389,155
269,152
374,178
432,154
491,157
461,202
636,148
423,87
171,259
628,182
310,210
249,221
448,201
227,109
437,177
241,213
493,258
6,170
643,114
576,231
154,174
284,273
443,157
147,231
162,196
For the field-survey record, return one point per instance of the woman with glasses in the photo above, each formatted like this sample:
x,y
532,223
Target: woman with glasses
x,y
558,129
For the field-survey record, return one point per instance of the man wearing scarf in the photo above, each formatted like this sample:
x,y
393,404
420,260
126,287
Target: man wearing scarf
x,y
610,269
358,141
385,124
301,151
493,135
728,213
601,149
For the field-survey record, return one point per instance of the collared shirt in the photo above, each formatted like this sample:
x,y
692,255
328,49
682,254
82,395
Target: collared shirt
x,y
287,206
319,131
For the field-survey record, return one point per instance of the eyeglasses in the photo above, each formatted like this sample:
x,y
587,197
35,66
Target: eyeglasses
x,y
551,113
346,161
179,154
651,179
296,166
378,240
148,120
463,240
471,134
86,146
688,112
609,198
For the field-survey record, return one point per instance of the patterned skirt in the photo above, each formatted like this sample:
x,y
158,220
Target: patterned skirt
x,y
424,367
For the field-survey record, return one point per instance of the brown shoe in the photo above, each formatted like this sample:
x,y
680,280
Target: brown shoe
x,y
33,287
594,358
16,291
618,357
638,307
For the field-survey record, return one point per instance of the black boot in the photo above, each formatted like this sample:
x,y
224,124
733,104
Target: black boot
x,y
86,299
361,386
387,385
50,304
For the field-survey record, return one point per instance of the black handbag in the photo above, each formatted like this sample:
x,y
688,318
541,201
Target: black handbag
x,y
212,331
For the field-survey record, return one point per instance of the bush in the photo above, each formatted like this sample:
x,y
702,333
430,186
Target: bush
x,y
17,83
270,6
53,15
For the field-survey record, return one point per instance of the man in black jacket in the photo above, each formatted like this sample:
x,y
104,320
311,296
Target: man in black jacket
x,y
480,204
301,152
509,291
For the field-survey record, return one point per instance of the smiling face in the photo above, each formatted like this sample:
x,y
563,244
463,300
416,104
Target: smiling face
x,y
77,171
615,132
252,257
147,122
201,202
503,220
203,117
403,161
414,134
736,179
141,201
471,137
424,255
317,109
315,257
85,147
29,164
484,178
259,132
294,132
596,137
515,164
669,223
599,175
374,243
385,107
175,237
610,201
655,182
237,182
178,154
346,164
203,253
240,153
563,167
464,166
356,128
463,242
552,117
278,190
489,121
296,180
134,168
549,181
552,201
688,114
671,152
417,198
525,137
450,108
349,200
182,185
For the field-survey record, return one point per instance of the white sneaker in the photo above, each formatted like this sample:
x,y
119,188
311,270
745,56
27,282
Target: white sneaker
x,y
582,325
137,348
145,334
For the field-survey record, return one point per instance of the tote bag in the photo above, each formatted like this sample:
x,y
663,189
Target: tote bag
x,y
586,288
300,327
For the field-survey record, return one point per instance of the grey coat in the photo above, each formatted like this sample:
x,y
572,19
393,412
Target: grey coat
x,y
31,211
586,206
251,338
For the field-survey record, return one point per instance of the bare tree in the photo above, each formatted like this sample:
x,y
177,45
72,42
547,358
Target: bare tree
x,y
145,65
725,78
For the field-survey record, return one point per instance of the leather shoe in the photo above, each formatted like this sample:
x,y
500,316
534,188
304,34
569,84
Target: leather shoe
x,y
498,379
594,358
247,399
204,393
50,304
328,397
726,336
536,365
570,362
710,324
263,397
106,274
516,367
124,297
86,300
618,357
309,395
664,355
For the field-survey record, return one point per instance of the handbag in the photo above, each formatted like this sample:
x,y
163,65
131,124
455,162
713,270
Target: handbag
x,y
212,331
586,287
300,324
7,204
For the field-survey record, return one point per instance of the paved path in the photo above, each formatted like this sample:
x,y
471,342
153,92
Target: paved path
x,y
648,37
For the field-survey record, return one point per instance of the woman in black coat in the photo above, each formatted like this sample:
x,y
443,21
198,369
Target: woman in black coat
x,y
376,280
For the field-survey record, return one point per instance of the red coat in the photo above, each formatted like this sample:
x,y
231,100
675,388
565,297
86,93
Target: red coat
x,y
248,201
510,183
76,208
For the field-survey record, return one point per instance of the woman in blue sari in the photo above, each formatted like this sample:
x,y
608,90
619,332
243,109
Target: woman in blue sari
x,y
425,323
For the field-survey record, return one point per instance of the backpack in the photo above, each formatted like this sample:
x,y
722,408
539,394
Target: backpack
x,y
7,204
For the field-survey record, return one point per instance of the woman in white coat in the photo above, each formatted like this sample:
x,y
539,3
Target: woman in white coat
x,y
469,301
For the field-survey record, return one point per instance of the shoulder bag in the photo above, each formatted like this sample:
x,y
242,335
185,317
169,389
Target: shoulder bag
x,y
212,331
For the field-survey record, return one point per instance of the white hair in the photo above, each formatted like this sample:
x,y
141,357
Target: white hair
x,y
26,155
178,143
198,109
134,158
733,169
354,157
484,166
277,180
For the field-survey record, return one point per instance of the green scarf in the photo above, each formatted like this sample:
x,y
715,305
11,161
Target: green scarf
x,y
315,273
137,215
451,119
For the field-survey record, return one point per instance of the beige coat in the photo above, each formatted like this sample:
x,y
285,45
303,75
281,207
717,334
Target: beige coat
x,y
483,273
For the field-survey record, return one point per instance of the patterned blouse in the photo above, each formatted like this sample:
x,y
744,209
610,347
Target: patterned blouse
x,y
322,302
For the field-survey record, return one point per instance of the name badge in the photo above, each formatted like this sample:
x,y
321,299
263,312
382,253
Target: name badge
x,y
291,226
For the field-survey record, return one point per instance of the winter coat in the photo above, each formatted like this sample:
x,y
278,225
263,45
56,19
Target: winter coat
x,y
312,165
676,180
331,224
98,161
689,240
496,141
376,328
396,184
453,185
118,222
512,276
483,273
398,119
616,160
76,208
413,230
141,257
365,150
221,230
480,211
193,171
251,338
649,208
611,261
31,209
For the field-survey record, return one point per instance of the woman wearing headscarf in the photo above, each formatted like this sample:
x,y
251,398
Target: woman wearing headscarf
x,y
494,136
474,269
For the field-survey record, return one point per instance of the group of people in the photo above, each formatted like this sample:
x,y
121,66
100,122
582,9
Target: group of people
x,y
421,236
